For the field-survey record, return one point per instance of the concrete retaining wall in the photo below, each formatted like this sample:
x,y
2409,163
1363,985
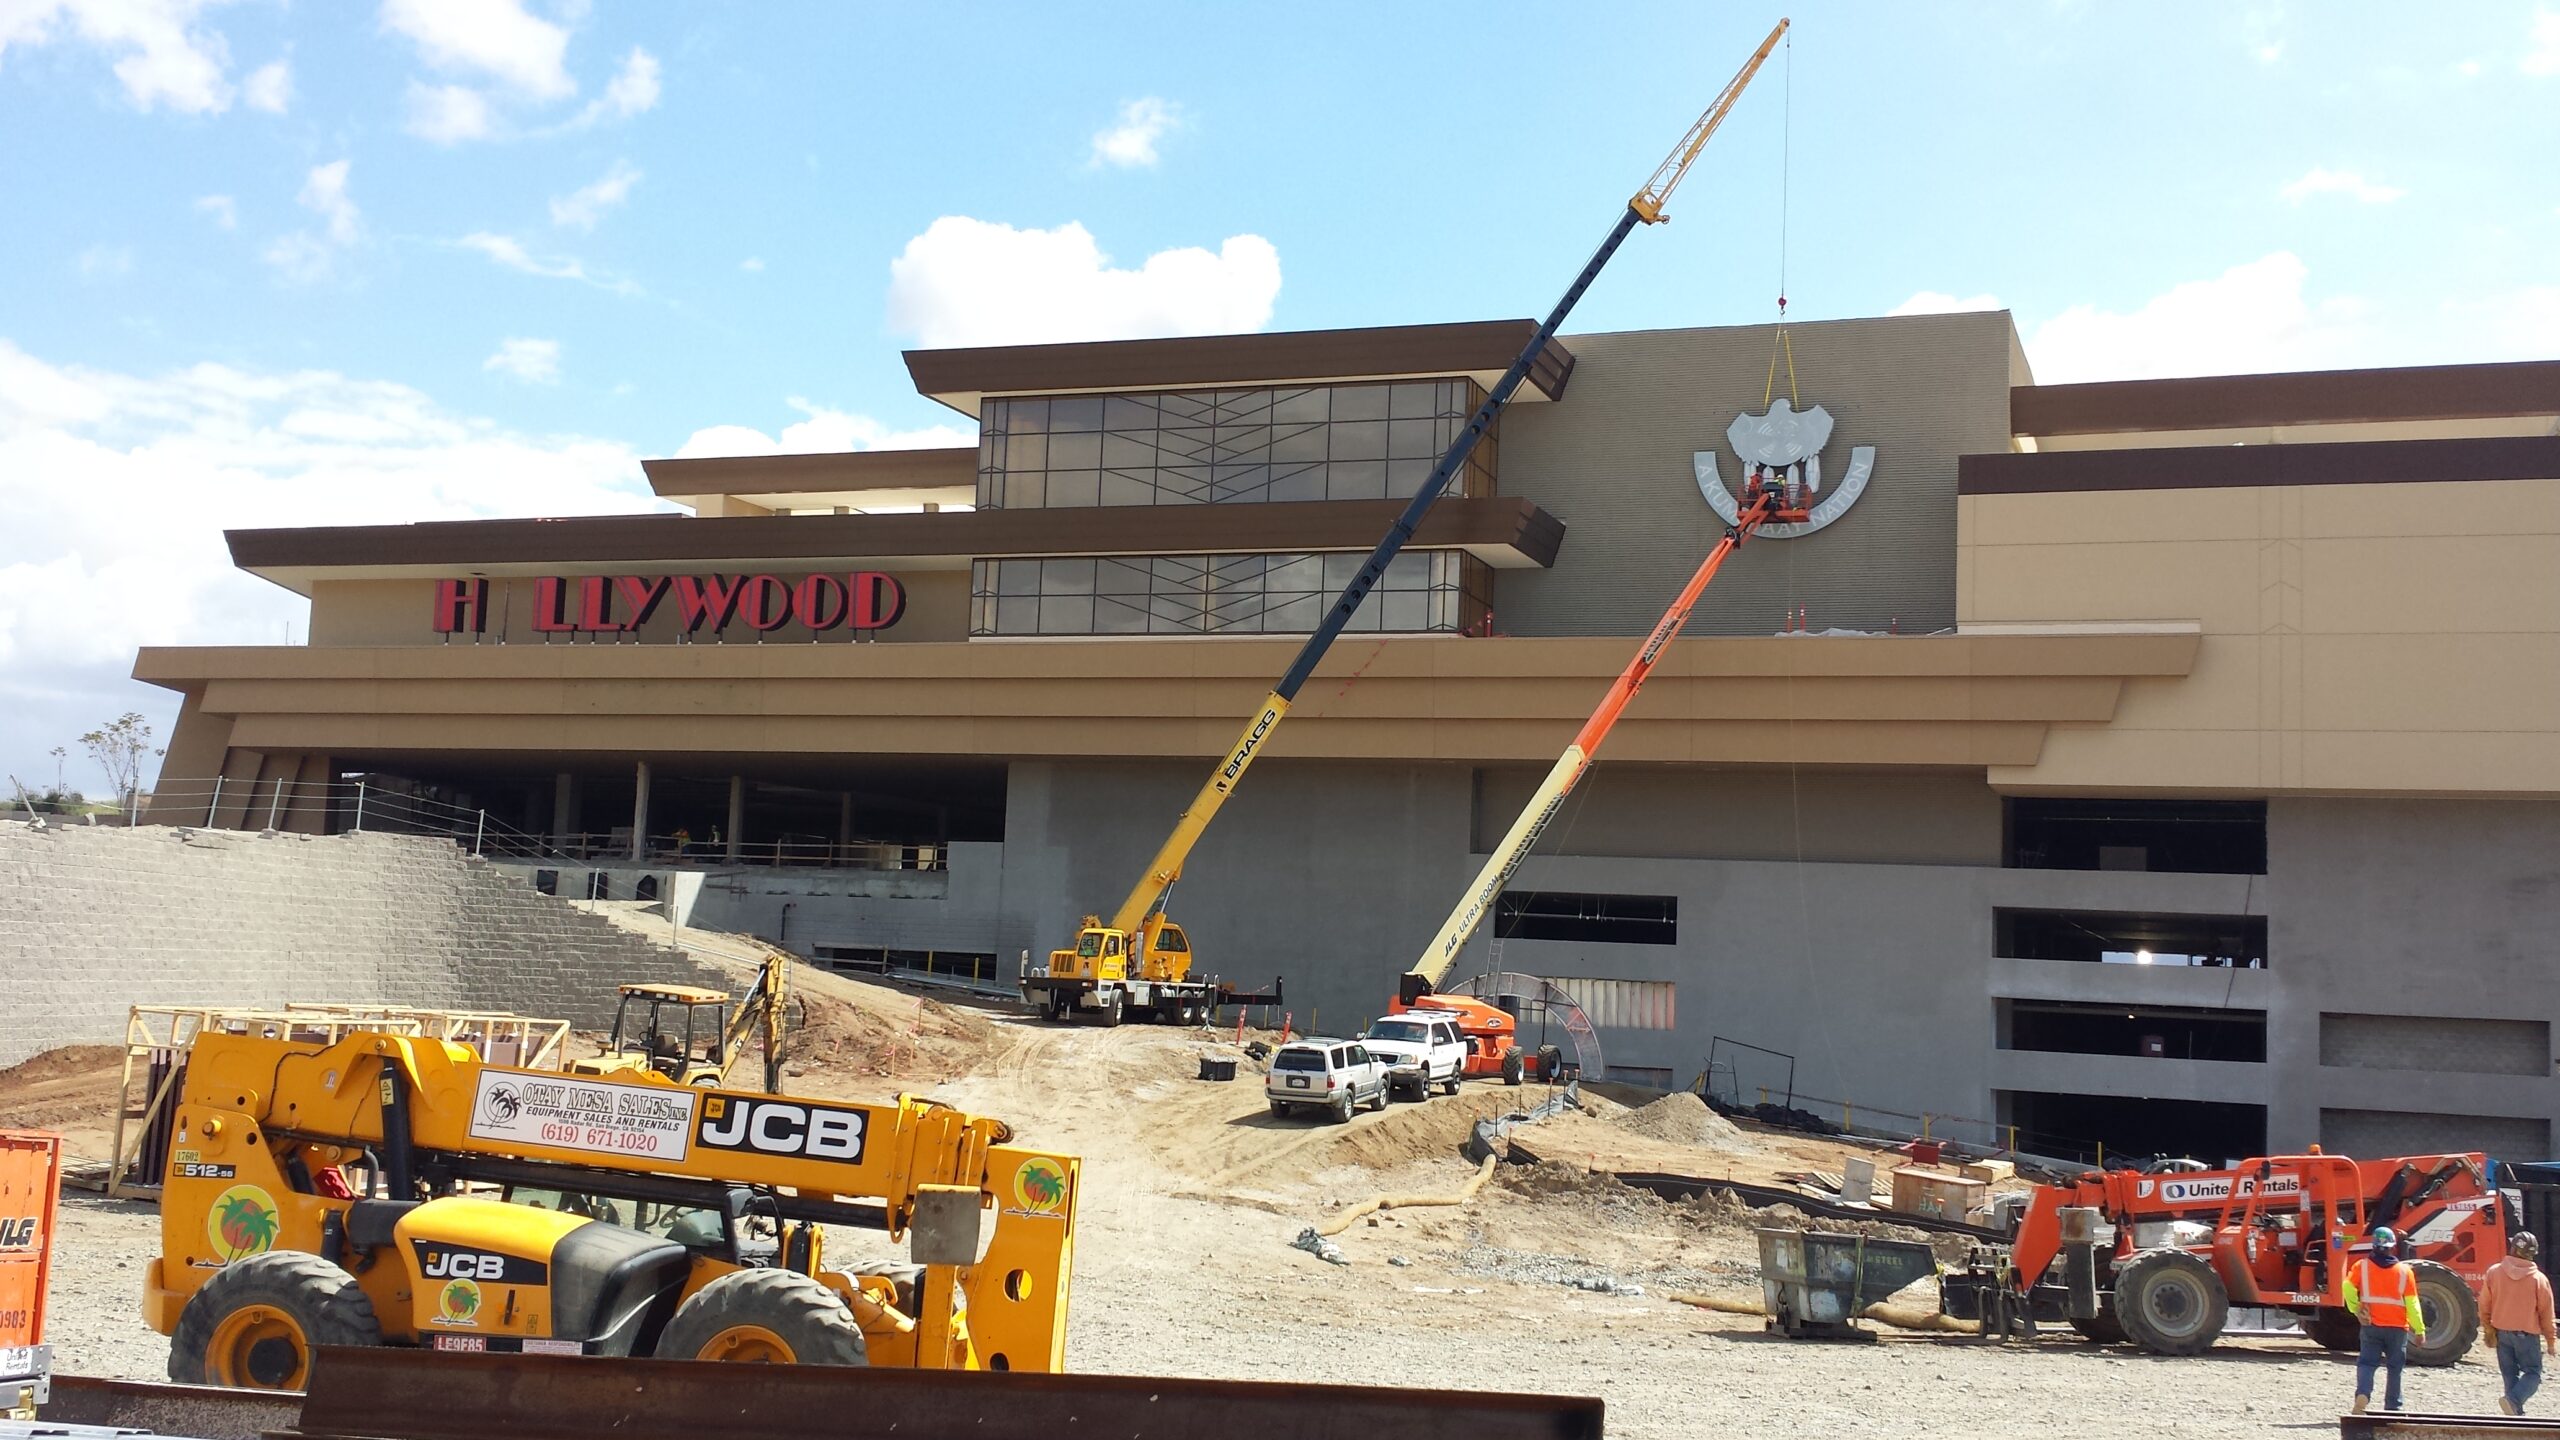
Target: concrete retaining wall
x,y
95,920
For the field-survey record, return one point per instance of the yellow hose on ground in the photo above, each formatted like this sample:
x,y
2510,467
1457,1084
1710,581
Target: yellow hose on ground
x,y
1367,1208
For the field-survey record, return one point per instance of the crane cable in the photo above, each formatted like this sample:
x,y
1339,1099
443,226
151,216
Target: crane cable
x,y
1781,343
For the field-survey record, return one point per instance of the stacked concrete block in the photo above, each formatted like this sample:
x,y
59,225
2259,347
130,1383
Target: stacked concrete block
x,y
94,920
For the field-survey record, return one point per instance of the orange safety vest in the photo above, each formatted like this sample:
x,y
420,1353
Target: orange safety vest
x,y
2387,1292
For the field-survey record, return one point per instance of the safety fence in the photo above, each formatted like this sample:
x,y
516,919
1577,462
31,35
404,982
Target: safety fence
x,y
382,806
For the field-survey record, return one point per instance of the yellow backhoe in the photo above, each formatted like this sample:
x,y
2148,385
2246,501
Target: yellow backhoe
x,y
688,1035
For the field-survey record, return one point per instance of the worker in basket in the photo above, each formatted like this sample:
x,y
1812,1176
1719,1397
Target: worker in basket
x,y
2382,1294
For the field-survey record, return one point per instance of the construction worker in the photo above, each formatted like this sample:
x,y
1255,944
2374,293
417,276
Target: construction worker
x,y
2383,1294
2515,1317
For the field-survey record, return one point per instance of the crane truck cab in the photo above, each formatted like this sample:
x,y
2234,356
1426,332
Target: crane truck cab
x,y
1139,972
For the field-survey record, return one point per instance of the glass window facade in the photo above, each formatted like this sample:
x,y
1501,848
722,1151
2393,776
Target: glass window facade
x,y
1214,447
1423,591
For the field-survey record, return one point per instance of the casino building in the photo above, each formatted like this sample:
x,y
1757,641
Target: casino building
x,y
2173,765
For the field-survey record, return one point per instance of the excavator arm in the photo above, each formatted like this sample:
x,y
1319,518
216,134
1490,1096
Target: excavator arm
x,y
1646,207
760,1015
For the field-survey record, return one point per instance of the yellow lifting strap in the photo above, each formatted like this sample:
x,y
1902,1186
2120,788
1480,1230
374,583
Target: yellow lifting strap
x,y
1781,344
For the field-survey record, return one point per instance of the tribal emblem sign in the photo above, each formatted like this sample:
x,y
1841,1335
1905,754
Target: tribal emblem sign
x,y
1783,448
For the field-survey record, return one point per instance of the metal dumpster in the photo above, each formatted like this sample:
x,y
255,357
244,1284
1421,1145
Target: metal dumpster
x,y
1817,1284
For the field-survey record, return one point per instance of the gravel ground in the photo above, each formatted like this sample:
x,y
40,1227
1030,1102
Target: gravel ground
x,y
1181,1268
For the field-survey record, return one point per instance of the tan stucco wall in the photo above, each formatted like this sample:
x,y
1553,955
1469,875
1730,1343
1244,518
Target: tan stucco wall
x,y
2356,638
402,612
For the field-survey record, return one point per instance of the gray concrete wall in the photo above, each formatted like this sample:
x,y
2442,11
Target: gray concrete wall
x,y
1696,813
1612,460
1333,875
95,920
2411,908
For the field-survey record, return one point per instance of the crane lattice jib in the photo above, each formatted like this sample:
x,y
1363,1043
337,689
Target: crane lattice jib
x,y
1166,867
1648,202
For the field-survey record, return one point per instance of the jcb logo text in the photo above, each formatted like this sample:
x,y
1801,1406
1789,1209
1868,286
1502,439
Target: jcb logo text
x,y
780,1127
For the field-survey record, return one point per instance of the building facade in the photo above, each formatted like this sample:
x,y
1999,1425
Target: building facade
x,y
2168,765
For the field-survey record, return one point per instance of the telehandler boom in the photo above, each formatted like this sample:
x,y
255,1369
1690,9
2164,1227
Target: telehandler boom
x,y
527,1211
1139,960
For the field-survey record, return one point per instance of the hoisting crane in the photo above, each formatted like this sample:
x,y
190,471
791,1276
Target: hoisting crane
x,y
1139,960
1766,499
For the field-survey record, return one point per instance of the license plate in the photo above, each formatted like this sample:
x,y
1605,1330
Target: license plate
x,y
1297,1082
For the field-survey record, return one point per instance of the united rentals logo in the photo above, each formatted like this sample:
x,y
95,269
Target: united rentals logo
x,y
1041,1186
1782,449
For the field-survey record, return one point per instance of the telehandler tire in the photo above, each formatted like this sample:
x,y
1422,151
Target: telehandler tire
x,y
765,1317
2103,1328
2170,1302
2453,1316
254,1325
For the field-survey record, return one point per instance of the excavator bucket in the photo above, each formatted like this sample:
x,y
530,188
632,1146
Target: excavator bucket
x,y
397,1394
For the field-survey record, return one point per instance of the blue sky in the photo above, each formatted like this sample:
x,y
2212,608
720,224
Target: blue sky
x,y
277,264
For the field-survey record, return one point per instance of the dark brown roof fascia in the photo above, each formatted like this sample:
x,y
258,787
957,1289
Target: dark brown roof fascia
x,y
2317,397
2206,467
941,467
1315,525
1458,349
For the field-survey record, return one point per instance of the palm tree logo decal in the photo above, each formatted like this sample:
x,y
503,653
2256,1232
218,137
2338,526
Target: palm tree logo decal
x,y
459,1302
1041,1186
243,1222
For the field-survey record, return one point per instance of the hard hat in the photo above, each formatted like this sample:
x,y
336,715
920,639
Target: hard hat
x,y
2523,1243
2385,1238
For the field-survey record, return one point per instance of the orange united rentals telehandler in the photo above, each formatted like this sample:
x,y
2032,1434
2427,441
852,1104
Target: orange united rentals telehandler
x,y
1139,962
2160,1258
529,1211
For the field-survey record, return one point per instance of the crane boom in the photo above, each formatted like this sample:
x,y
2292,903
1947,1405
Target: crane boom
x,y
1645,208
1433,967
1648,202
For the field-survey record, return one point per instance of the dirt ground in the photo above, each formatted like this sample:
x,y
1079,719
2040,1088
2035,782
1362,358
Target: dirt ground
x,y
1552,1279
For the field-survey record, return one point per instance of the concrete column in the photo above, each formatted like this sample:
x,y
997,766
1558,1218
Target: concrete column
x,y
844,825
640,815
737,814
564,807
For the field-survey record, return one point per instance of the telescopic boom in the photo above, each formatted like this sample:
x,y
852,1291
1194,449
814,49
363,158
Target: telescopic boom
x,y
1645,207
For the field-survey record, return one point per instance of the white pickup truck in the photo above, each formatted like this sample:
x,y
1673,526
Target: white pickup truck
x,y
1422,1048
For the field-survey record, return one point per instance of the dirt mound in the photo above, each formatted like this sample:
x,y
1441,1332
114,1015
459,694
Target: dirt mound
x,y
73,1090
1681,1118
851,1029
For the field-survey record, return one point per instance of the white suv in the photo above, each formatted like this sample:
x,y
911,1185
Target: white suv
x,y
1422,1048
1335,1075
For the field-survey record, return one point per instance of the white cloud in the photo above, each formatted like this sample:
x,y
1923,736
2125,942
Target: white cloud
x,y
269,87
104,262
449,114
633,89
582,207
2252,317
974,282
1131,142
2542,45
221,208
536,362
494,38
118,488
324,193
823,430
305,257
1938,302
752,264
509,253
162,56
2320,180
